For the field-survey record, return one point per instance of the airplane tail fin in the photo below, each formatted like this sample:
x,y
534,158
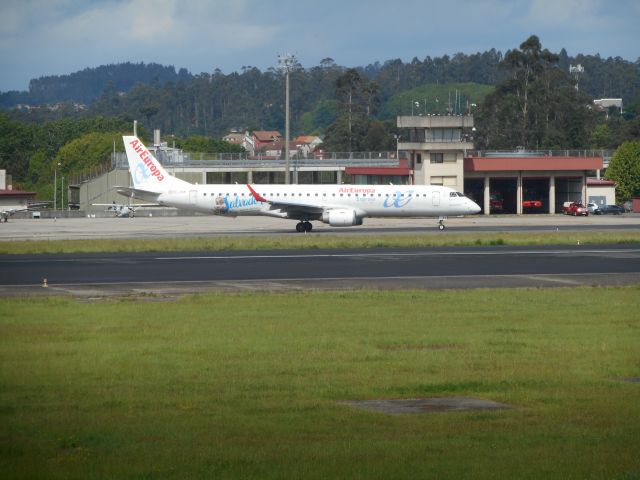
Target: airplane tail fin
x,y
146,172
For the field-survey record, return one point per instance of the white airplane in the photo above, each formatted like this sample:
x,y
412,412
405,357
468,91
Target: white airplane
x,y
8,210
336,205
124,211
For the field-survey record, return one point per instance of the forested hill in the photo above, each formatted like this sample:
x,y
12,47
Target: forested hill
x,y
214,103
602,78
87,85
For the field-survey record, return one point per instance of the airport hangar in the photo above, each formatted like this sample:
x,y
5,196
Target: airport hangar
x,y
433,149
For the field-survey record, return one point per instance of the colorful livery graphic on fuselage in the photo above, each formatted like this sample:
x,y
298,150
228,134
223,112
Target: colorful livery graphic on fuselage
x,y
336,205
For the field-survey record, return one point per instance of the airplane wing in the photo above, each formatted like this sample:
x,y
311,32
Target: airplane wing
x,y
291,208
133,205
5,213
37,205
137,193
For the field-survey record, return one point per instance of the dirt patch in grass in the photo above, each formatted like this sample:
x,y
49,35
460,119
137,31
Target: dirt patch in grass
x,y
632,379
408,346
427,405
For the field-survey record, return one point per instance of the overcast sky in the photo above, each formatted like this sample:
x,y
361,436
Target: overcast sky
x,y
54,37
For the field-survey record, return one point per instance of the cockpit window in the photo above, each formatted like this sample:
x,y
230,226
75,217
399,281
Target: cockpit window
x,y
460,194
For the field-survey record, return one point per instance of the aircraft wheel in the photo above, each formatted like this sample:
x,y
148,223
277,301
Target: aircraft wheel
x,y
308,226
300,227
441,226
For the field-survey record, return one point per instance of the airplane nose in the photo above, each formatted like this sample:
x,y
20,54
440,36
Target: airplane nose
x,y
474,207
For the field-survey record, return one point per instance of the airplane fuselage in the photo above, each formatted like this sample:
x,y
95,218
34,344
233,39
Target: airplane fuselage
x,y
337,205
365,200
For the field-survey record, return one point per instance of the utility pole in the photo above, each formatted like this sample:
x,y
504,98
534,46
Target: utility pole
x,y
287,63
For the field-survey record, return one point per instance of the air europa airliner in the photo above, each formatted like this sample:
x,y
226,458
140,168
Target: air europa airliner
x,y
336,205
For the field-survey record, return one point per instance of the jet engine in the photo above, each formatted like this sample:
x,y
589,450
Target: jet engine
x,y
341,217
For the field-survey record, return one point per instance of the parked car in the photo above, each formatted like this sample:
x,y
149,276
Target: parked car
x,y
496,203
610,210
592,207
575,209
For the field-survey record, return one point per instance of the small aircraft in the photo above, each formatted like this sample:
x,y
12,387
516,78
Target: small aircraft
x,y
124,211
8,210
336,205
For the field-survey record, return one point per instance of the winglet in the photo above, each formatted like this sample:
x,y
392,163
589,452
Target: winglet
x,y
256,195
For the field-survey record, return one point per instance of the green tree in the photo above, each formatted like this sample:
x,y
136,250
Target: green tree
x,y
357,103
379,137
624,169
200,143
601,136
81,154
17,143
537,106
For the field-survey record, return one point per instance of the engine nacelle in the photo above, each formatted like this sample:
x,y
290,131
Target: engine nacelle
x,y
341,217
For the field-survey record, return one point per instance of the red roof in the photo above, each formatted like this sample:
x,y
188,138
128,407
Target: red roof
x,y
16,193
493,164
401,170
266,135
595,182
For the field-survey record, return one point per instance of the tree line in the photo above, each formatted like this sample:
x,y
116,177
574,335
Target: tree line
x,y
214,103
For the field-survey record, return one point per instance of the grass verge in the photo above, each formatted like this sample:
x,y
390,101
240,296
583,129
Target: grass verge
x,y
248,385
315,242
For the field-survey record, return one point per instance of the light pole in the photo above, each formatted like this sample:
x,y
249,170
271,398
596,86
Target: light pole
x,y
287,63
55,186
397,137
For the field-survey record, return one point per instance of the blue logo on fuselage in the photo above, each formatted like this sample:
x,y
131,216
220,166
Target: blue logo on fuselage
x,y
398,199
141,173
239,202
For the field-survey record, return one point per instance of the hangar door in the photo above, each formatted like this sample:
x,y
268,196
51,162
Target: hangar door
x,y
568,190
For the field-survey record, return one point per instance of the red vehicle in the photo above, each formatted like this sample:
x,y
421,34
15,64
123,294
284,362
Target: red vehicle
x,y
531,204
496,203
575,209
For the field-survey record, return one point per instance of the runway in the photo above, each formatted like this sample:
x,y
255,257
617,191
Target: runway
x,y
452,267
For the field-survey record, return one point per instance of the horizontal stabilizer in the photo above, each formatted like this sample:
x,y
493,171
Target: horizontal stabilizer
x,y
138,193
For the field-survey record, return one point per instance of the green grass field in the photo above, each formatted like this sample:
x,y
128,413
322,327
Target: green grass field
x,y
247,386
274,242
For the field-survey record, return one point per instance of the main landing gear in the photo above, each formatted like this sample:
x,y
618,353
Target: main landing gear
x,y
304,227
